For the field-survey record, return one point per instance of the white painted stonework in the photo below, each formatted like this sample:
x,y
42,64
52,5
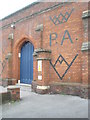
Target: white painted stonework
x,y
39,65
43,87
39,77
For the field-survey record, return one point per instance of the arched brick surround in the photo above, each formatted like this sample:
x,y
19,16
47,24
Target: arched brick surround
x,y
16,50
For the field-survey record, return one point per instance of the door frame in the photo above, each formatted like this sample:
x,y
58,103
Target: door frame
x,y
16,50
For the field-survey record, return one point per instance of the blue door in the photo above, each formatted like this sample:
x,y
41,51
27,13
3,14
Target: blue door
x,y
26,63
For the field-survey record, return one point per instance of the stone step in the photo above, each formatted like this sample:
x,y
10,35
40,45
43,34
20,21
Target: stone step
x,y
24,87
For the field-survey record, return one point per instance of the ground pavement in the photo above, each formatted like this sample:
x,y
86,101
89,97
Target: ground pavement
x,y
34,105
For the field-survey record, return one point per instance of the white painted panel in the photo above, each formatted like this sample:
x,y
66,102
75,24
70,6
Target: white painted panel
x,y
39,65
19,55
39,77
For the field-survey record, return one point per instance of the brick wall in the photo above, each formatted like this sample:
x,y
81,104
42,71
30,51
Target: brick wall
x,y
63,35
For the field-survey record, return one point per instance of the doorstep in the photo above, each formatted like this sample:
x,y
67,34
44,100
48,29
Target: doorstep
x,y
21,84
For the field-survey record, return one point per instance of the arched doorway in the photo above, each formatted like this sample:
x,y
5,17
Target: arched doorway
x,y
26,63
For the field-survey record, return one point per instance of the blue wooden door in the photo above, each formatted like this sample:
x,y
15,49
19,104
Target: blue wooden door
x,y
26,63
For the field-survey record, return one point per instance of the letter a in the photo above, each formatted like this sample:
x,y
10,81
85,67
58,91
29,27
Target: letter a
x,y
64,37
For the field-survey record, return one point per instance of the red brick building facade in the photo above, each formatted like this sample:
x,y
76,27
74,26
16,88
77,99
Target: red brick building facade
x,y
59,35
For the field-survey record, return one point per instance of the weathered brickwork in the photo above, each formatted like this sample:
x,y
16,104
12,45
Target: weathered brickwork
x,y
59,45
15,92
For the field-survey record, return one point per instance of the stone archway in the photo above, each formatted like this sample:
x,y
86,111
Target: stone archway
x,y
16,50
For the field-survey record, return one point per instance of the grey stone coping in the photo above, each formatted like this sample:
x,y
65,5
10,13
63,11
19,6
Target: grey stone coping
x,y
85,46
3,89
42,50
86,14
34,54
33,14
39,27
10,37
43,58
13,87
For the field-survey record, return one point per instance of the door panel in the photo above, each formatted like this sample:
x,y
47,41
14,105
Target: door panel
x,y
26,63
